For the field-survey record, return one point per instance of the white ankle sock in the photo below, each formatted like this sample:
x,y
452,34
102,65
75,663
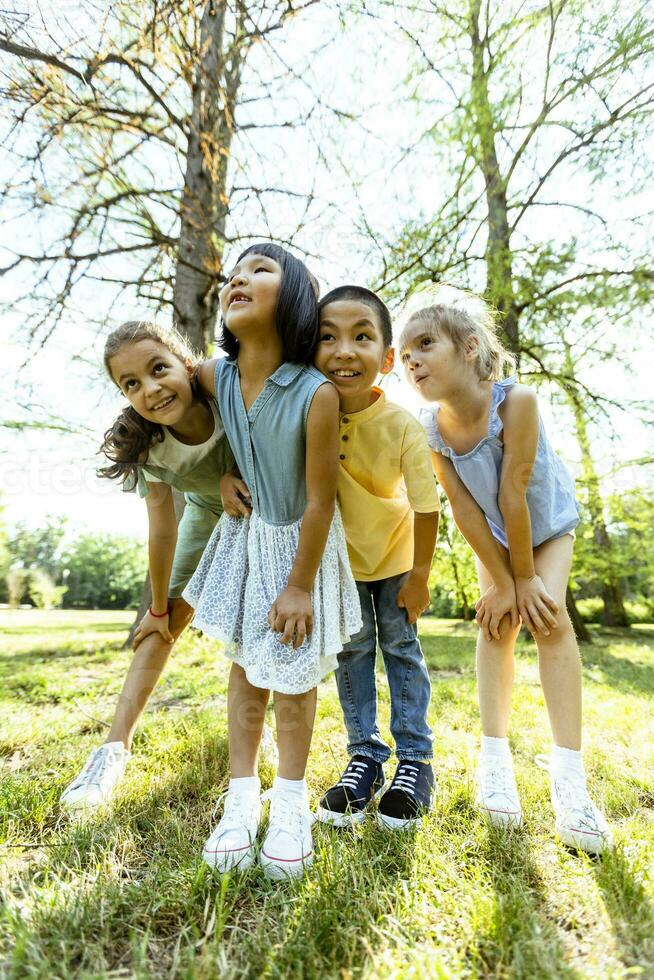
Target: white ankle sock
x,y
116,746
567,760
245,784
298,786
496,748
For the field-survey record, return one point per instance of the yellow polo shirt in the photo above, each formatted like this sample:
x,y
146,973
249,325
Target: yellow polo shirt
x,y
385,475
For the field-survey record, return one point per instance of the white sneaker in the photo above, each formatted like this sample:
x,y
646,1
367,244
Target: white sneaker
x,y
287,848
578,821
232,842
98,779
497,793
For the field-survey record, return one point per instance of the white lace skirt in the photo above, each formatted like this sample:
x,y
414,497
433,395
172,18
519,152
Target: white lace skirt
x,y
245,566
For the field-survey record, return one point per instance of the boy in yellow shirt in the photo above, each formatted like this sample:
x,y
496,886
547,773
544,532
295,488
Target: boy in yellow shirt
x,y
390,507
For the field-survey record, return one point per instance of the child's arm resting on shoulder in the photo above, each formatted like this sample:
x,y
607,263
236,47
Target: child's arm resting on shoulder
x,y
291,612
414,592
162,539
521,428
206,376
499,600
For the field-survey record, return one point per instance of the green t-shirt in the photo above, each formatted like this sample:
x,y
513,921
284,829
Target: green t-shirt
x,y
193,470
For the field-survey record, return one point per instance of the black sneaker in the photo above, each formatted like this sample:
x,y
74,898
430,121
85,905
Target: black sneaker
x,y
408,797
344,804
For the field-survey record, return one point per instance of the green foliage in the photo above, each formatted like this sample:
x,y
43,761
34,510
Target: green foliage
x,y
16,582
630,520
43,592
104,572
91,572
38,547
522,209
5,557
453,580
638,612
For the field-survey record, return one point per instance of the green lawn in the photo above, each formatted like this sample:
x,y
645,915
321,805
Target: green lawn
x,y
124,893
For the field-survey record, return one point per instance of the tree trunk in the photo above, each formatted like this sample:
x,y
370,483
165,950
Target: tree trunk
x,y
581,630
205,199
468,612
613,612
499,259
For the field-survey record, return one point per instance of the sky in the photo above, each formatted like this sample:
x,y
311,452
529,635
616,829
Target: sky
x,y
49,473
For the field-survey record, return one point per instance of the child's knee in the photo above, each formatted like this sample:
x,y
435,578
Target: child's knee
x,y
504,645
564,634
181,615
508,632
294,712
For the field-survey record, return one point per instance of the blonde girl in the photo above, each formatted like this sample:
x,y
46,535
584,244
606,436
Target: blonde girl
x,y
513,500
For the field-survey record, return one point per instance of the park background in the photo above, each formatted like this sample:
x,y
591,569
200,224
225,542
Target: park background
x,y
504,147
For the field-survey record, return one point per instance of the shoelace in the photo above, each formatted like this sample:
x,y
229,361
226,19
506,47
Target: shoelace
x,y
237,810
573,796
353,775
405,778
97,765
498,781
291,819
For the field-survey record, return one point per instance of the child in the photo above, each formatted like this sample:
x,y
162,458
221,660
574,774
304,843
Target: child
x,y
276,586
514,501
170,435
389,502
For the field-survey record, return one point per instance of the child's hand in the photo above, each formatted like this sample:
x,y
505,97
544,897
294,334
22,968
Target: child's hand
x,y
413,596
152,624
535,605
496,603
291,614
235,496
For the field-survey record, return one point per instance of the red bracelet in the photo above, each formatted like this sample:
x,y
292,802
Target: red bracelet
x,y
160,615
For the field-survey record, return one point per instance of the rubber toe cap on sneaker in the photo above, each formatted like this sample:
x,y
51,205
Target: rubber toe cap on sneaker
x,y
229,859
585,840
400,823
83,798
280,868
500,817
348,819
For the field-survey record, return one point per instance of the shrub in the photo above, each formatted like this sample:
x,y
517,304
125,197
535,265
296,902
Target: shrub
x,y
42,590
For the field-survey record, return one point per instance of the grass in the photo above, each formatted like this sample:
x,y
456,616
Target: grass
x,y
123,893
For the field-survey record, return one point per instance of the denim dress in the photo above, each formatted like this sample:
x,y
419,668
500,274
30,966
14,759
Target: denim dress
x,y
247,561
551,490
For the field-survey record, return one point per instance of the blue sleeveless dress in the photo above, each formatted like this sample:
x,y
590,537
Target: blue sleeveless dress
x,y
551,491
247,561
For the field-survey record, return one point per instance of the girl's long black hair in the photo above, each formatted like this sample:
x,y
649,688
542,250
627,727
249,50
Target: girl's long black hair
x,y
296,312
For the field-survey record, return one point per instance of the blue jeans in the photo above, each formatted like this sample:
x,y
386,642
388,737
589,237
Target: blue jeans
x,y
408,678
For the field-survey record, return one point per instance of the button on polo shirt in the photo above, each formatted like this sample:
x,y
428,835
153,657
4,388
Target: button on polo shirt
x,y
385,475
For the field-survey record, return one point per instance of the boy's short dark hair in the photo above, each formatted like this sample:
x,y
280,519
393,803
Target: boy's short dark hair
x,y
363,295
